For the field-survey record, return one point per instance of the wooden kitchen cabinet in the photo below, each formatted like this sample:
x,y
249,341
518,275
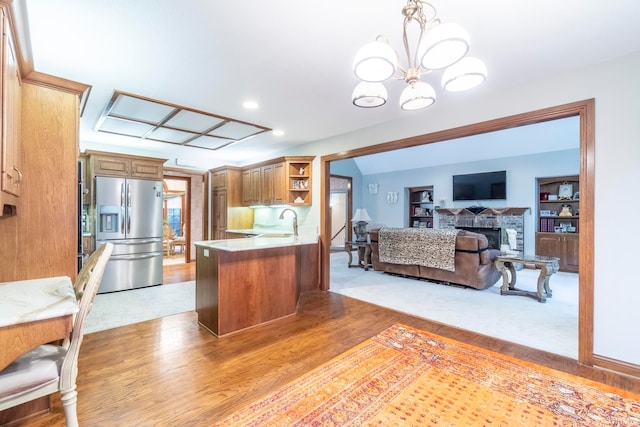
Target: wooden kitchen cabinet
x,y
219,219
266,185
562,245
279,183
107,164
219,179
285,180
12,171
251,186
226,210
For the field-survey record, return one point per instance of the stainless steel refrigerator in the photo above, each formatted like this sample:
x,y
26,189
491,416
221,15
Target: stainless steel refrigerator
x,y
128,213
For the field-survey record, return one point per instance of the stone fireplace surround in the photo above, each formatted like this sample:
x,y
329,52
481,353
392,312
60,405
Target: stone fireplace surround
x,y
487,221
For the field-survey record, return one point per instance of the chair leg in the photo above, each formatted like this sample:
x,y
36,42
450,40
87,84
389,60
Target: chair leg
x,y
69,405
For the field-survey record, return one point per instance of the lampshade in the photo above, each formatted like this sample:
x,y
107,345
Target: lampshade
x,y
361,215
465,74
443,45
417,95
368,95
375,61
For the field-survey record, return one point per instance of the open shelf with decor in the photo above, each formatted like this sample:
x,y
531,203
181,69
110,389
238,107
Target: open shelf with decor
x,y
299,173
558,224
421,206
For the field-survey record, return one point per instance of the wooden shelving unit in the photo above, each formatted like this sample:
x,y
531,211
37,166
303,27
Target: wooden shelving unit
x,y
558,225
421,206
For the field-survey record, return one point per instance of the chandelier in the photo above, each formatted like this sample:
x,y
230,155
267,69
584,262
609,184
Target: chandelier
x,y
439,46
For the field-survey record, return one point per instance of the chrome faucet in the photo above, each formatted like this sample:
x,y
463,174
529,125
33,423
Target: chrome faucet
x,y
295,220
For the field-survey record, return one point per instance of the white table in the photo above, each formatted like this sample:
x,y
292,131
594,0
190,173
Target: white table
x,y
34,312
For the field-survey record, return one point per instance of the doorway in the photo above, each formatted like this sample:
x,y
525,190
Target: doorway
x,y
586,111
176,222
340,208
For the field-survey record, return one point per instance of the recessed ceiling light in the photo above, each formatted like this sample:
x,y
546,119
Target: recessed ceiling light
x,y
250,105
278,132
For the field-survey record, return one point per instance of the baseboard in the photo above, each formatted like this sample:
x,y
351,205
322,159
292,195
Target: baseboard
x,y
617,366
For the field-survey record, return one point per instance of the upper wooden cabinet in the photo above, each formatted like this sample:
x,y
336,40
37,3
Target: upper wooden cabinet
x,y
279,183
285,180
227,178
225,196
108,164
12,173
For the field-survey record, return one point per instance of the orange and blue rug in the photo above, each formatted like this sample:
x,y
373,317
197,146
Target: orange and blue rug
x,y
405,376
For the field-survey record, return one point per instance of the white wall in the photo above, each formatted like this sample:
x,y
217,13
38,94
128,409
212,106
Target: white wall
x,y
616,89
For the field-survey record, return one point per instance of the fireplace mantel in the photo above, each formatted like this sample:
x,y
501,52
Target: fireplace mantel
x,y
486,211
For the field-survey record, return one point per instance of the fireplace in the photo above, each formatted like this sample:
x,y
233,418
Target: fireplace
x,y
494,235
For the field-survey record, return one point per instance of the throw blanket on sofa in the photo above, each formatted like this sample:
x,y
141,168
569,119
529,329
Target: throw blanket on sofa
x,y
428,247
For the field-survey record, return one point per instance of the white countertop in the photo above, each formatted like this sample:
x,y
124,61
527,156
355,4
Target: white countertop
x,y
260,231
28,300
233,245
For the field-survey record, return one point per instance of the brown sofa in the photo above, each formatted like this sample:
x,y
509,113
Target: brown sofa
x,y
474,263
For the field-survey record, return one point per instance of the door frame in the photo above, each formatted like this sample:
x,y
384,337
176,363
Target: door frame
x,y
585,109
186,205
349,205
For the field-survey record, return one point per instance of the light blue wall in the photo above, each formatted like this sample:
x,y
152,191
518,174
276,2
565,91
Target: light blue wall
x,y
522,172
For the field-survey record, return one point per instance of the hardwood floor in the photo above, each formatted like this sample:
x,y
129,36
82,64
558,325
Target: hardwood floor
x,y
170,371
176,273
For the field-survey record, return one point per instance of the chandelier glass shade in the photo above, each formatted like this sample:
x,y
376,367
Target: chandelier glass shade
x,y
417,96
368,94
439,46
443,45
375,61
463,75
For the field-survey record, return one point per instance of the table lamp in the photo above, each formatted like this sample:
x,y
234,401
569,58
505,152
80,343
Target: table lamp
x,y
360,228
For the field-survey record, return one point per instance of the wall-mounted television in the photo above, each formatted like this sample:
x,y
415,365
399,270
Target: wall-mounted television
x,y
480,186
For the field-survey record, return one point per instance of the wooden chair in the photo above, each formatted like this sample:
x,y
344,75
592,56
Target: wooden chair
x,y
168,236
50,368
181,241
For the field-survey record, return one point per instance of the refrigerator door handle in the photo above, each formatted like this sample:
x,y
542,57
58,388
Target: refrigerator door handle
x,y
122,208
129,242
134,256
128,208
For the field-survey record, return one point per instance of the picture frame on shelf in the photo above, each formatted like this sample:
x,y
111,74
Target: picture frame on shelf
x,y
416,223
565,191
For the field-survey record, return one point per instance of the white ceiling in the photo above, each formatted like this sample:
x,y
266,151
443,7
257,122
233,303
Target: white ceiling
x,y
554,135
294,58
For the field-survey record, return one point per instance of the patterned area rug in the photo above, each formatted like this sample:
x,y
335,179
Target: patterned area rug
x,y
405,376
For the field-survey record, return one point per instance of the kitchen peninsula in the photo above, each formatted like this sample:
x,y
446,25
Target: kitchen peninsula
x,y
245,282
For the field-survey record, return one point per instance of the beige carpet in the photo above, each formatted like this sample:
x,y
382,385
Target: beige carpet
x,y
550,326
138,305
